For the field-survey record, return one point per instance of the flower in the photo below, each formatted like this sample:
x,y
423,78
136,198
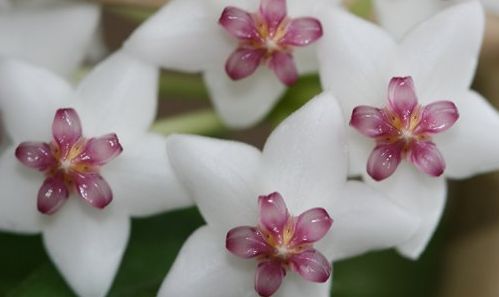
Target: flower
x,y
228,40
441,56
85,242
55,35
399,16
304,160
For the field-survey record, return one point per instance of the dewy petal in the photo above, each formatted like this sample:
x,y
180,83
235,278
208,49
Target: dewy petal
x,y
312,266
384,160
284,67
371,122
304,158
93,189
220,175
99,151
239,23
36,155
302,31
203,267
274,11
143,180
52,194
469,148
29,98
402,96
437,117
66,129
119,95
311,226
246,242
273,213
426,157
268,278
243,62
87,246
55,36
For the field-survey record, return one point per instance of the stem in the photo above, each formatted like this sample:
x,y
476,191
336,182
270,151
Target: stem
x,y
204,122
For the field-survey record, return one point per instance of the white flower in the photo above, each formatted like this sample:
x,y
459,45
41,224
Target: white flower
x,y
303,165
399,16
85,242
55,34
228,40
358,62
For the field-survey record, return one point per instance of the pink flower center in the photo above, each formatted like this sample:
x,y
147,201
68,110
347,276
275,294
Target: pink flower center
x,y
267,36
281,242
70,163
404,129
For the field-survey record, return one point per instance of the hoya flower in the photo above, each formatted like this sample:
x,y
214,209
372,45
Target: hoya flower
x,y
248,51
82,162
54,34
446,134
269,214
399,16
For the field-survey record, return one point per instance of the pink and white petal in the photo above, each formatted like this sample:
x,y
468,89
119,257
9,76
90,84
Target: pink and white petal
x,y
100,150
119,96
66,129
244,103
299,8
384,160
445,68
359,150
295,286
273,213
86,246
55,36
268,278
29,98
52,194
203,264
274,11
305,158
354,50
221,176
371,122
427,158
419,195
35,155
311,226
20,185
491,5
306,59
174,36
402,96
93,188
239,23
143,180
302,31
284,67
246,242
243,62
366,220
471,147
438,117
312,266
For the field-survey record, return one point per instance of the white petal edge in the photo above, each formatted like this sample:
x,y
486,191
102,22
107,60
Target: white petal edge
x,y
87,245
305,158
142,179
221,177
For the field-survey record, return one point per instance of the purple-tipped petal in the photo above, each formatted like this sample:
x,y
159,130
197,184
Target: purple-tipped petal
x,y
52,194
243,62
384,160
93,189
239,23
302,31
312,266
246,242
274,11
36,155
99,151
311,226
437,117
402,96
66,129
268,278
284,67
273,213
371,122
427,158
